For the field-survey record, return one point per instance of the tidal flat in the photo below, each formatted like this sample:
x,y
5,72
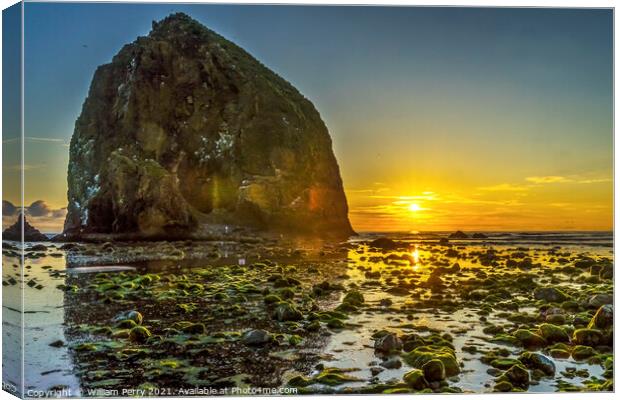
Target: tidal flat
x,y
401,313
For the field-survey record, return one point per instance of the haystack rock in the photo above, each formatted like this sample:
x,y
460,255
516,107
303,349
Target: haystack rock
x,y
184,133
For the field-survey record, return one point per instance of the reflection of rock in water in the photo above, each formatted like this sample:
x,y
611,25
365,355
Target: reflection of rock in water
x,y
196,318
12,308
73,311
46,360
184,131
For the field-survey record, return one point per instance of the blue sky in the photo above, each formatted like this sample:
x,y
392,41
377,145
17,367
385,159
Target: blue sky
x,y
416,99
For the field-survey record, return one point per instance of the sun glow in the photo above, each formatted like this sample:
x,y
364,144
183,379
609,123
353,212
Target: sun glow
x,y
415,254
415,259
413,207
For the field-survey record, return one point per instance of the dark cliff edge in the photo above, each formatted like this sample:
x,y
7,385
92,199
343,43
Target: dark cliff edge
x,y
186,135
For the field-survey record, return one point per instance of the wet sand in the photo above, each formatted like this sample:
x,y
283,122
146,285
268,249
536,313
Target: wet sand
x,y
499,313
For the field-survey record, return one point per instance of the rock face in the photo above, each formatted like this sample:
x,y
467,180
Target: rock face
x,y
185,130
31,234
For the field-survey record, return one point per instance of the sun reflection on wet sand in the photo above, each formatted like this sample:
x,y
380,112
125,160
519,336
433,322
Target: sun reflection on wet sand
x,y
415,254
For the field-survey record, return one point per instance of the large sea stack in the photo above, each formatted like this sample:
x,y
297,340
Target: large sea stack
x,y
184,133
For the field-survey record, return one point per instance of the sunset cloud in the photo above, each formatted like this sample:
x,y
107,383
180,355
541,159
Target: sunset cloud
x,y
564,179
35,139
39,213
547,179
505,187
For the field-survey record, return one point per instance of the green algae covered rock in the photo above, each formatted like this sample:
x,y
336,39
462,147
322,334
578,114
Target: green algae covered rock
x,y
335,323
423,354
416,379
504,363
126,324
354,297
604,317
529,339
286,311
539,362
581,352
328,376
553,333
503,386
559,353
550,294
517,375
132,315
139,334
388,343
434,371
587,337
256,337
272,299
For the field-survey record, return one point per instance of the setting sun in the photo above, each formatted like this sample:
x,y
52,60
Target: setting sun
x,y
414,207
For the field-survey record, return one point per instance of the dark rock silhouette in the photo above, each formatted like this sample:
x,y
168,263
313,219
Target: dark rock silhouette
x,y
184,133
458,235
31,234
384,243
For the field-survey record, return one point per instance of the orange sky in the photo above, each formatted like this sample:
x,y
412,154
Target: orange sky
x,y
536,203
500,119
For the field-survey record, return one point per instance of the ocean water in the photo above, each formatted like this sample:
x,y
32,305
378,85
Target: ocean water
x,y
46,308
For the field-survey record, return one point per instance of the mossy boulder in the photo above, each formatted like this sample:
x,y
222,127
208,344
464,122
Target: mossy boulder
x,y
347,308
294,340
194,329
517,375
272,299
556,319
416,379
423,354
503,386
492,329
559,353
126,324
335,323
312,326
388,343
529,339
603,319
550,294
606,272
539,362
132,315
286,293
328,376
600,299
354,297
553,333
434,371
581,352
256,337
587,337
504,363
139,334
286,311
506,339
